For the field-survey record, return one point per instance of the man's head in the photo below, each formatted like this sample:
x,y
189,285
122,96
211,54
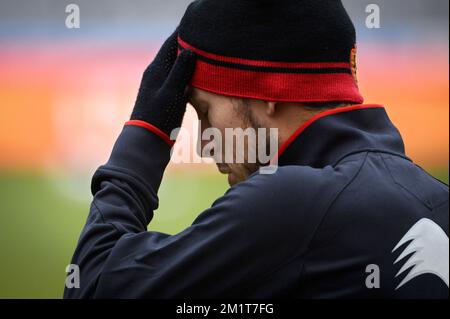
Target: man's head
x,y
222,112
273,50
268,64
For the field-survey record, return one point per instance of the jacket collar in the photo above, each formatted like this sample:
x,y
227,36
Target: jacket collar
x,y
330,136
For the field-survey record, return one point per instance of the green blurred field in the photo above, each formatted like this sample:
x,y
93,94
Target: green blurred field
x,y
42,215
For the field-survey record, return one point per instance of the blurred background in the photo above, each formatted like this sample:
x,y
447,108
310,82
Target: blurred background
x,y
65,94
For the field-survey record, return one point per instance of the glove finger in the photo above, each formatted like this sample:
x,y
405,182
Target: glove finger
x,y
168,46
168,53
159,69
181,73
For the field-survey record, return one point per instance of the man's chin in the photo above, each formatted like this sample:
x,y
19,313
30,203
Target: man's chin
x,y
232,179
234,176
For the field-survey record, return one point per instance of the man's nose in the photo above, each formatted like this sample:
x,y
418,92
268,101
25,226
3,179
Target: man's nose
x,y
205,146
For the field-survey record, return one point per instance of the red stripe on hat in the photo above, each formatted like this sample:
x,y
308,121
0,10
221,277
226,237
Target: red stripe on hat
x,y
274,86
278,87
220,58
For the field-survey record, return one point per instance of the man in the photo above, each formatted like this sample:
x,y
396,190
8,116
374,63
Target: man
x,y
346,215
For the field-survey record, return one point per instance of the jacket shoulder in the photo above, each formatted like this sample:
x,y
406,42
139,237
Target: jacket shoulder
x,y
302,187
288,204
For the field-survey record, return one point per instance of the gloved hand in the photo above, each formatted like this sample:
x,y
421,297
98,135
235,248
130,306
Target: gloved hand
x,y
162,101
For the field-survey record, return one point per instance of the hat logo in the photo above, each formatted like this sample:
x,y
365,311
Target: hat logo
x,y
354,64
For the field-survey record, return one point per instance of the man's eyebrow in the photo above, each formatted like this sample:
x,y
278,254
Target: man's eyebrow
x,y
193,96
189,92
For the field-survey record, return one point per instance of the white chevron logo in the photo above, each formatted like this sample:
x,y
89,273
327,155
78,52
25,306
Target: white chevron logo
x,y
429,243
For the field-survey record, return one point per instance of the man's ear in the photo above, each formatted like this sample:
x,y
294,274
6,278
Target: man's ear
x,y
270,109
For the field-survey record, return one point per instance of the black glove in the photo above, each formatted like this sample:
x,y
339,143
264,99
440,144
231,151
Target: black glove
x,y
162,100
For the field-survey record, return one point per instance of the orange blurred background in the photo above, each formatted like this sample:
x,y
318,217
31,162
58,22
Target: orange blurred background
x,y
64,103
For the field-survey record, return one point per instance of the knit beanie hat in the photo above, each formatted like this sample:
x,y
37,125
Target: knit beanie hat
x,y
273,50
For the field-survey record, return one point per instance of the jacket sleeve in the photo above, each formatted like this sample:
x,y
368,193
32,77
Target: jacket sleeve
x,y
218,255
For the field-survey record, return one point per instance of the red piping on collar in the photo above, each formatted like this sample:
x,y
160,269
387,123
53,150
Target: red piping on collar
x,y
317,117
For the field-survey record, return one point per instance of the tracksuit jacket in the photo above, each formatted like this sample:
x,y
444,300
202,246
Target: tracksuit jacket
x,y
346,215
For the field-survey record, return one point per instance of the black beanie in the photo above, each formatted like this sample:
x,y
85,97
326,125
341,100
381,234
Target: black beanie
x,y
273,50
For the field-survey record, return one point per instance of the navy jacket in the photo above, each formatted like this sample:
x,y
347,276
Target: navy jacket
x,y
347,215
